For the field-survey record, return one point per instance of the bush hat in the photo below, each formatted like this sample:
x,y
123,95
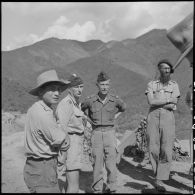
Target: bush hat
x,y
46,78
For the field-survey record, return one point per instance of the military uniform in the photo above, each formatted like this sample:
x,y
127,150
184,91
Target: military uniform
x,y
161,128
104,141
70,116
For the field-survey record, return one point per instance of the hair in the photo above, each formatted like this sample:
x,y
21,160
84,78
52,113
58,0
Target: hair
x,y
166,61
44,86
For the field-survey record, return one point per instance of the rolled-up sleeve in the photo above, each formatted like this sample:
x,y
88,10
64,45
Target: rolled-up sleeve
x,y
176,92
63,112
50,130
149,88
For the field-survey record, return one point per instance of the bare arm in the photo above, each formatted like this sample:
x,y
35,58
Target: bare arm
x,y
169,106
153,101
117,115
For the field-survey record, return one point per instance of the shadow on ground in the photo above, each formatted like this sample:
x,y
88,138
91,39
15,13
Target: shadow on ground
x,y
142,174
85,181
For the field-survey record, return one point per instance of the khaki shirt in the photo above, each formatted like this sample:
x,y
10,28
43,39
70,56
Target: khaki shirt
x,y
103,113
159,90
43,136
70,116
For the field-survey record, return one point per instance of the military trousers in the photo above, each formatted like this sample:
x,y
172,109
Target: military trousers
x,y
40,175
161,135
104,151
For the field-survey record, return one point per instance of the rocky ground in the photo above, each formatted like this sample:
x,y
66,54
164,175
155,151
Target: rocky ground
x,y
131,178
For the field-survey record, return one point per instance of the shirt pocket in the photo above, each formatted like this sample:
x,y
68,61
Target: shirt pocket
x,y
110,111
77,118
95,112
168,92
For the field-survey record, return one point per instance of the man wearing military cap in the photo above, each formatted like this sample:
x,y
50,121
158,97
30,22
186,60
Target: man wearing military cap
x,y
102,109
162,94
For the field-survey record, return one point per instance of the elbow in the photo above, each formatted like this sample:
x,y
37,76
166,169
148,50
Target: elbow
x,y
151,103
58,141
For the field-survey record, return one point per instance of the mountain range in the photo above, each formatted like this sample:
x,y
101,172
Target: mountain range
x,y
131,64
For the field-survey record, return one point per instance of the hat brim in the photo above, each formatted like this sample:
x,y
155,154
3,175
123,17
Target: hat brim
x,y
182,56
63,83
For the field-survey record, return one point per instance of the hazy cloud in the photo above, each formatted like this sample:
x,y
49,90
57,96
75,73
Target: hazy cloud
x,y
62,30
101,20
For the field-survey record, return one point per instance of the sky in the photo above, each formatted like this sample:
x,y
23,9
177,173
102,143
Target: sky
x,y
24,23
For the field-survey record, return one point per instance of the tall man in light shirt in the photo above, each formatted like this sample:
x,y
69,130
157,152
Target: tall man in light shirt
x,y
43,136
162,95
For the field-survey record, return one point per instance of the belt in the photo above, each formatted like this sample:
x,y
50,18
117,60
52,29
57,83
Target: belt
x,y
40,159
76,133
97,126
103,127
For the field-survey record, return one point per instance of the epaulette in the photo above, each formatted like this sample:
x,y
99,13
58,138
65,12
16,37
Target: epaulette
x,y
91,96
69,101
113,95
173,81
155,81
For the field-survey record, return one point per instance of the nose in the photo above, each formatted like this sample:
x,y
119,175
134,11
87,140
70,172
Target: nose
x,y
56,92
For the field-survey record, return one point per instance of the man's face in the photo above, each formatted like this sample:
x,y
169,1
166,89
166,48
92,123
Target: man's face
x,y
77,90
104,87
51,93
164,70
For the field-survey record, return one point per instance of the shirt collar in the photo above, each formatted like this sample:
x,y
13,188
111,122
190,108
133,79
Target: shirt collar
x,y
44,105
108,97
169,82
73,99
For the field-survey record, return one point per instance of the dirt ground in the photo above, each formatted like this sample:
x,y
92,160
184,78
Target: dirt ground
x,y
130,179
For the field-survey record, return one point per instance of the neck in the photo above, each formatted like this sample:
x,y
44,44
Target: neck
x,y
49,105
102,96
164,80
77,99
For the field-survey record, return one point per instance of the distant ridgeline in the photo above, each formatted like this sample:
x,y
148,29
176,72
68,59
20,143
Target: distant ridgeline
x,y
131,63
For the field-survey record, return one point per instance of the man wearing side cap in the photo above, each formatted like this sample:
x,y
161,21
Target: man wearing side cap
x,y
102,109
43,136
162,95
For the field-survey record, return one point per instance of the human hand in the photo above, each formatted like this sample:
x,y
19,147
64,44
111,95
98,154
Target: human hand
x,y
66,143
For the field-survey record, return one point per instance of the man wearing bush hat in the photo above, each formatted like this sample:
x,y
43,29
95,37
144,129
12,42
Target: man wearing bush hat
x,y
102,109
43,136
162,95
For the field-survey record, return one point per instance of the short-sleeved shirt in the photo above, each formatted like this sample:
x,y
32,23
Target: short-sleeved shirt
x,y
43,136
70,115
103,113
159,90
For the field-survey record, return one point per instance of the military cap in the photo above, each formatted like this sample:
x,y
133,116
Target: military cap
x,y
75,80
166,61
102,76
